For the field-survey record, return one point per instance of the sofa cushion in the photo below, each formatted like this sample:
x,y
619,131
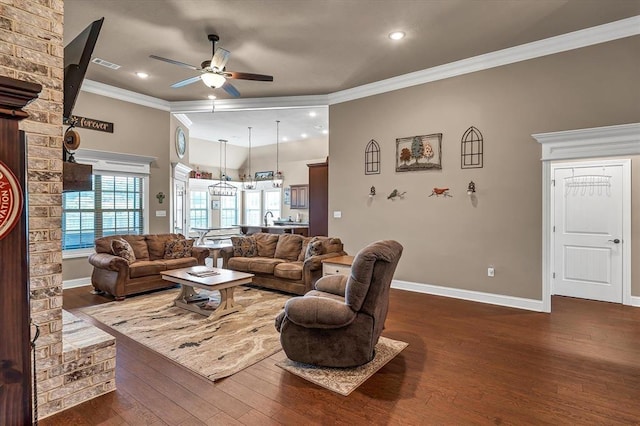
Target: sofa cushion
x,y
263,265
177,249
266,244
244,246
239,264
314,248
156,242
139,246
121,248
183,262
289,270
289,246
145,268
303,252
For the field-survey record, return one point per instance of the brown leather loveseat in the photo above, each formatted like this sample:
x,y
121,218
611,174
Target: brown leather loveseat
x,y
283,262
121,277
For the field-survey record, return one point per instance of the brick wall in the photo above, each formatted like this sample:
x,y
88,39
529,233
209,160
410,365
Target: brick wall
x,y
31,49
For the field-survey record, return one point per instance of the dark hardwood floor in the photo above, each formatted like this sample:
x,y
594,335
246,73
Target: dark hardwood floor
x,y
467,363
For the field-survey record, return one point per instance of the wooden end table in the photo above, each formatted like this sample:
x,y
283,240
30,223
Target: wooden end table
x,y
224,281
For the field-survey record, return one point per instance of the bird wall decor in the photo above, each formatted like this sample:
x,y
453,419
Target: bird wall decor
x,y
440,191
395,193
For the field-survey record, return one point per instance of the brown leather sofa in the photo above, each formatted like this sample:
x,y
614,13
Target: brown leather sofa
x,y
114,275
281,262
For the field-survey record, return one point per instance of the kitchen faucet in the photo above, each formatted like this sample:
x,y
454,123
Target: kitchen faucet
x,y
269,212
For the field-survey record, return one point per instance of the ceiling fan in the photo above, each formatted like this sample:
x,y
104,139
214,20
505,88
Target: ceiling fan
x,y
213,73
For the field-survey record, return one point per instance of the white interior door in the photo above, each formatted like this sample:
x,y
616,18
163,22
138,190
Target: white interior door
x,y
588,229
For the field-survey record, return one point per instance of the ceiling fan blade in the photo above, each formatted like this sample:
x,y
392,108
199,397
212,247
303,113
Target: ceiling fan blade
x,y
186,81
220,58
230,89
248,76
171,61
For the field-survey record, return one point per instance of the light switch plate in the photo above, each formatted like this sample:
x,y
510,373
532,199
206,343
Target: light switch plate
x,y
161,213
337,214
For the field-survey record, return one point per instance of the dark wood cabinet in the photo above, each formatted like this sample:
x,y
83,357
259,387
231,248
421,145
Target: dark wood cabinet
x,y
318,198
299,196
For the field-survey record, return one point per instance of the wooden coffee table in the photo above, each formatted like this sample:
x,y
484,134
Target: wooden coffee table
x,y
224,281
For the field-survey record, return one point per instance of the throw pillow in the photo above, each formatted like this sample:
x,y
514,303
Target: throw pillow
x,y
244,246
121,248
314,248
177,249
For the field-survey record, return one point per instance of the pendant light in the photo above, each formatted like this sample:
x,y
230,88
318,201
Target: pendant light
x,y
222,188
279,177
248,181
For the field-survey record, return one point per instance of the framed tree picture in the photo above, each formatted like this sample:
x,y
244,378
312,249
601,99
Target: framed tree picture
x,y
422,152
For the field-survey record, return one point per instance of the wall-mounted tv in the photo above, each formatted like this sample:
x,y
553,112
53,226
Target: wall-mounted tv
x,y
77,55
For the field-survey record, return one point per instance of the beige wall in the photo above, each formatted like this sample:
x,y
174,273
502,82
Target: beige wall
x,y
451,241
137,130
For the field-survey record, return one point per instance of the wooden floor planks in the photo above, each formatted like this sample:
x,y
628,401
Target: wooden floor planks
x,y
466,363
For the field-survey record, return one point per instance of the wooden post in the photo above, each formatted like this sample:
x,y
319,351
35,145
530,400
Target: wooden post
x,y
15,349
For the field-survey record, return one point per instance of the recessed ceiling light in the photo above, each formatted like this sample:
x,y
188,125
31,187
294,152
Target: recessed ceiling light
x,y
312,114
211,97
303,135
141,74
397,35
325,132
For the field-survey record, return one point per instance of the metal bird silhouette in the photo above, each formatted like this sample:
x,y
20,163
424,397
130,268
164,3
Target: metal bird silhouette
x,y
395,193
440,191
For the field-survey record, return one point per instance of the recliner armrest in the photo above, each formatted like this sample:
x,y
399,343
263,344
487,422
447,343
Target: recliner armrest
x,y
200,253
226,253
334,284
315,262
108,261
318,312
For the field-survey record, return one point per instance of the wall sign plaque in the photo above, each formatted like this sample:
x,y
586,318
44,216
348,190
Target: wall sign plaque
x,y
90,123
10,200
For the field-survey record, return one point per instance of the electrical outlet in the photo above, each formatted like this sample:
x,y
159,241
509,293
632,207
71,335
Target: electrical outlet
x,y
337,214
491,272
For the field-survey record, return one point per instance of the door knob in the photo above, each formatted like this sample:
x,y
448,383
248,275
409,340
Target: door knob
x,y
616,241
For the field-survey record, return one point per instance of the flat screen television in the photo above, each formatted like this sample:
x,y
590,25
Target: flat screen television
x,y
77,55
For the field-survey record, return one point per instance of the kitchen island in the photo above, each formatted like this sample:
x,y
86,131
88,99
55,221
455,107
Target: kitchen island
x,y
294,228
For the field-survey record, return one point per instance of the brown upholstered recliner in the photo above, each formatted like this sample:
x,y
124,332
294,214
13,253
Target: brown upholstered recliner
x,y
338,324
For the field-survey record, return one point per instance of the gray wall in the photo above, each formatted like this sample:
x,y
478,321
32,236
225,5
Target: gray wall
x,y
137,130
451,241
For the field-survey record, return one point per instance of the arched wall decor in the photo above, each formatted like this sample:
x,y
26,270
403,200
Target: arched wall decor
x,y
372,158
472,153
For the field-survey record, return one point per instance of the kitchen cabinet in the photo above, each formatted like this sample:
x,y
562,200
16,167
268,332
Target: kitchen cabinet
x,y
299,196
318,198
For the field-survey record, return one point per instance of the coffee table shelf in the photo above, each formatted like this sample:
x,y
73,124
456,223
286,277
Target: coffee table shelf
x,y
225,282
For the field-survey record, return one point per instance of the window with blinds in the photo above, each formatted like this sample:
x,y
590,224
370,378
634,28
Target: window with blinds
x,y
114,206
198,209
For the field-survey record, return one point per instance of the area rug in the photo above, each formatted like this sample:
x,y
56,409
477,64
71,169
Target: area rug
x,y
213,349
345,380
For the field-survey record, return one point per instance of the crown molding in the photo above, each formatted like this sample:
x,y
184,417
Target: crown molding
x,y
590,36
606,141
582,38
124,95
184,120
227,105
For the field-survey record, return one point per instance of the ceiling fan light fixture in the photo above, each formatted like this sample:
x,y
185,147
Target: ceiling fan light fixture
x,y
213,80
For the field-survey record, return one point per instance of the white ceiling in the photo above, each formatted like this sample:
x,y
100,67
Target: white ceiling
x,y
310,47
233,126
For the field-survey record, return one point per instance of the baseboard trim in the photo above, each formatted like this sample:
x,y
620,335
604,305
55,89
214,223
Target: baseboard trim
x,y
474,296
78,282
635,301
